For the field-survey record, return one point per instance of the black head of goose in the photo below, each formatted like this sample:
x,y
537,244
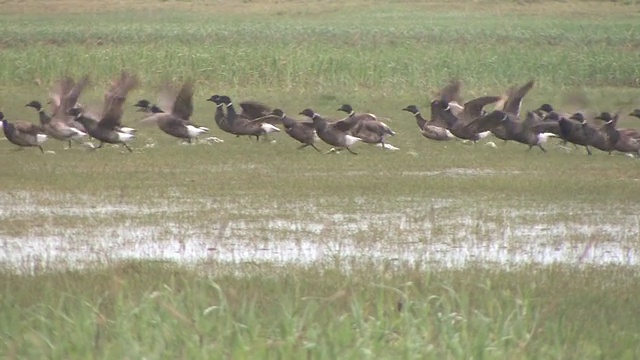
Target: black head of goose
x,y
420,120
143,105
44,118
356,117
23,134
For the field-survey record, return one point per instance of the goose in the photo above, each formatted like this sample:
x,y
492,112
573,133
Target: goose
x,y
220,117
512,104
568,130
242,125
22,133
102,130
368,127
530,132
173,125
623,140
303,131
473,109
333,133
63,96
593,135
446,111
428,130
57,127
176,122
107,127
450,94
635,113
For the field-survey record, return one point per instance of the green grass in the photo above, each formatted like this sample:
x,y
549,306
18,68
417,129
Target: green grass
x,y
556,234
156,310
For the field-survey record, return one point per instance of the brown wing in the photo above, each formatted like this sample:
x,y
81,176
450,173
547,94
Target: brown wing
x,y
546,126
70,98
487,122
114,100
473,108
56,95
183,106
531,119
254,109
451,91
269,118
344,124
28,128
515,96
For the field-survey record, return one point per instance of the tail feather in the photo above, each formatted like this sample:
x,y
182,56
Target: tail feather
x,y
268,128
194,131
40,138
125,137
350,140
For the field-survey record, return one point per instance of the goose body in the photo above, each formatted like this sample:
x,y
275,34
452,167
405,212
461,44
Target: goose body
x,y
23,134
367,127
302,131
623,140
177,122
57,127
333,133
241,125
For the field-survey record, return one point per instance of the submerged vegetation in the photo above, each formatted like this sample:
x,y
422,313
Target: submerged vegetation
x,y
255,249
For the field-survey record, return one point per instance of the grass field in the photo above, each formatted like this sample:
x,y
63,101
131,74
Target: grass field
x,y
248,249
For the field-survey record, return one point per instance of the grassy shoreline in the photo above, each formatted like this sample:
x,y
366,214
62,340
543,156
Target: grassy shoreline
x,y
154,309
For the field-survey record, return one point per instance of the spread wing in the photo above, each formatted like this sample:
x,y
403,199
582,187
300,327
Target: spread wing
x,y
56,95
451,91
473,108
487,122
70,99
114,100
254,109
514,98
183,106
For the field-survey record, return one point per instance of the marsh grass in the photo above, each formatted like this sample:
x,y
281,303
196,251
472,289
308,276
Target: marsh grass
x,y
158,310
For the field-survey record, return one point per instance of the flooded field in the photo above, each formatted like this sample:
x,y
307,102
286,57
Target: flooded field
x,y
42,232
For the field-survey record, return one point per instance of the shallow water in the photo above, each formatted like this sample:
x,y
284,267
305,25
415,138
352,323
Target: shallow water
x,y
445,233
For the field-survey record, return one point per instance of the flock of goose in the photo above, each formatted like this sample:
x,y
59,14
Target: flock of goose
x,y
451,118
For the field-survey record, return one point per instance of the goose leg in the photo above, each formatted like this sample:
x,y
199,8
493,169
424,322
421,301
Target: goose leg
x,y
41,149
69,145
128,148
588,151
351,151
541,148
302,146
99,146
315,147
530,147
